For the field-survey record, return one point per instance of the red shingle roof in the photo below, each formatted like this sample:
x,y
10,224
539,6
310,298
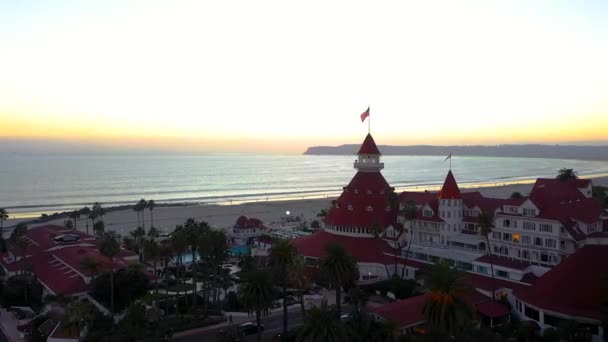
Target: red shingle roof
x,y
369,146
564,202
450,188
492,309
573,287
366,190
405,313
361,248
55,275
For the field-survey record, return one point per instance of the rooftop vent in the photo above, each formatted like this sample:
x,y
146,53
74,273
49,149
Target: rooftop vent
x,y
66,238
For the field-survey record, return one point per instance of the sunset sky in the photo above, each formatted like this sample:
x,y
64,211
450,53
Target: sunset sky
x,y
278,76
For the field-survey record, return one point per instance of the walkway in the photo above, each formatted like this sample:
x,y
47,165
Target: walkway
x,y
9,324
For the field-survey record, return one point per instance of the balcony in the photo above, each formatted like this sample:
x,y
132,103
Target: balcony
x,y
368,166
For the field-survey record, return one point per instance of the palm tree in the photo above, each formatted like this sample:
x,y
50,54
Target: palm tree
x,y
321,324
179,244
217,257
90,265
109,247
153,233
165,255
75,215
86,212
566,174
18,240
486,223
152,252
446,311
3,217
298,279
137,210
409,212
78,314
141,205
281,256
339,268
151,206
516,195
322,213
138,235
194,232
256,295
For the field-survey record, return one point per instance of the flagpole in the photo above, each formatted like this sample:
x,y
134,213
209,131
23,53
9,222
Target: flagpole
x,y
369,120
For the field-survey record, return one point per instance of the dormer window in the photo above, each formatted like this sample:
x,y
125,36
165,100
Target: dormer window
x,y
388,208
427,213
350,207
356,191
369,208
369,192
529,212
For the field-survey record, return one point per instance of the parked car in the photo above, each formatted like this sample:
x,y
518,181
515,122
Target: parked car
x,y
250,328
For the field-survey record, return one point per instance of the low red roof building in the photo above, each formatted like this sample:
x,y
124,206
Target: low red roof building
x,y
56,256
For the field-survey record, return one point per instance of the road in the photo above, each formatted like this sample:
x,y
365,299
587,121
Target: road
x,y
273,325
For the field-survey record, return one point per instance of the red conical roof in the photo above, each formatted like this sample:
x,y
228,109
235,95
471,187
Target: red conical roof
x,y
450,188
369,146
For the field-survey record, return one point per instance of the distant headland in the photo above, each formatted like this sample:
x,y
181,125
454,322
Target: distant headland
x,y
522,151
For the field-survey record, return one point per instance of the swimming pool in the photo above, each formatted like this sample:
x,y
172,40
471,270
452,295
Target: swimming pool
x,y
239,250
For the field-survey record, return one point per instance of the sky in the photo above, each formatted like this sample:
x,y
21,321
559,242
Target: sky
x,y
279,76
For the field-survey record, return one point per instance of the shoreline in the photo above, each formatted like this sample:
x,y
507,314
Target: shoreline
x,y
63,209
273,212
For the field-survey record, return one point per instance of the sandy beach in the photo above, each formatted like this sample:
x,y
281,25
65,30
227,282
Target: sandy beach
x,y
271,212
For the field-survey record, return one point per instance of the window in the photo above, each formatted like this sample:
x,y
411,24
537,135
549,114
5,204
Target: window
x,y
369,208
563,230
482,269
544,257
529,212
369,192
515,237
449,214
525,254
529,226
506,236
525,239
550,243
496,235
449,203
502,274
562,244
531,313
544,227
356,191
350,207
427,213
538,242
388,208
506,223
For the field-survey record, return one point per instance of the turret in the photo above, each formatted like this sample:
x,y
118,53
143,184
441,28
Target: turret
x,y
368,156
450,206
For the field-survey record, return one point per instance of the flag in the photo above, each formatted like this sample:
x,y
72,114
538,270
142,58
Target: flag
x,y
448,157
365,115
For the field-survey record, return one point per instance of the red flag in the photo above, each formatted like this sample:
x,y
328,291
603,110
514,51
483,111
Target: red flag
x,y
365,115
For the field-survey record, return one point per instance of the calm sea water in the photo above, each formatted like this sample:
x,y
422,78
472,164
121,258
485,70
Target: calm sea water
x,y
31,183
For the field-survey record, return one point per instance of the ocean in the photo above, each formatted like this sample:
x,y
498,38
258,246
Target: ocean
x,y
33,184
